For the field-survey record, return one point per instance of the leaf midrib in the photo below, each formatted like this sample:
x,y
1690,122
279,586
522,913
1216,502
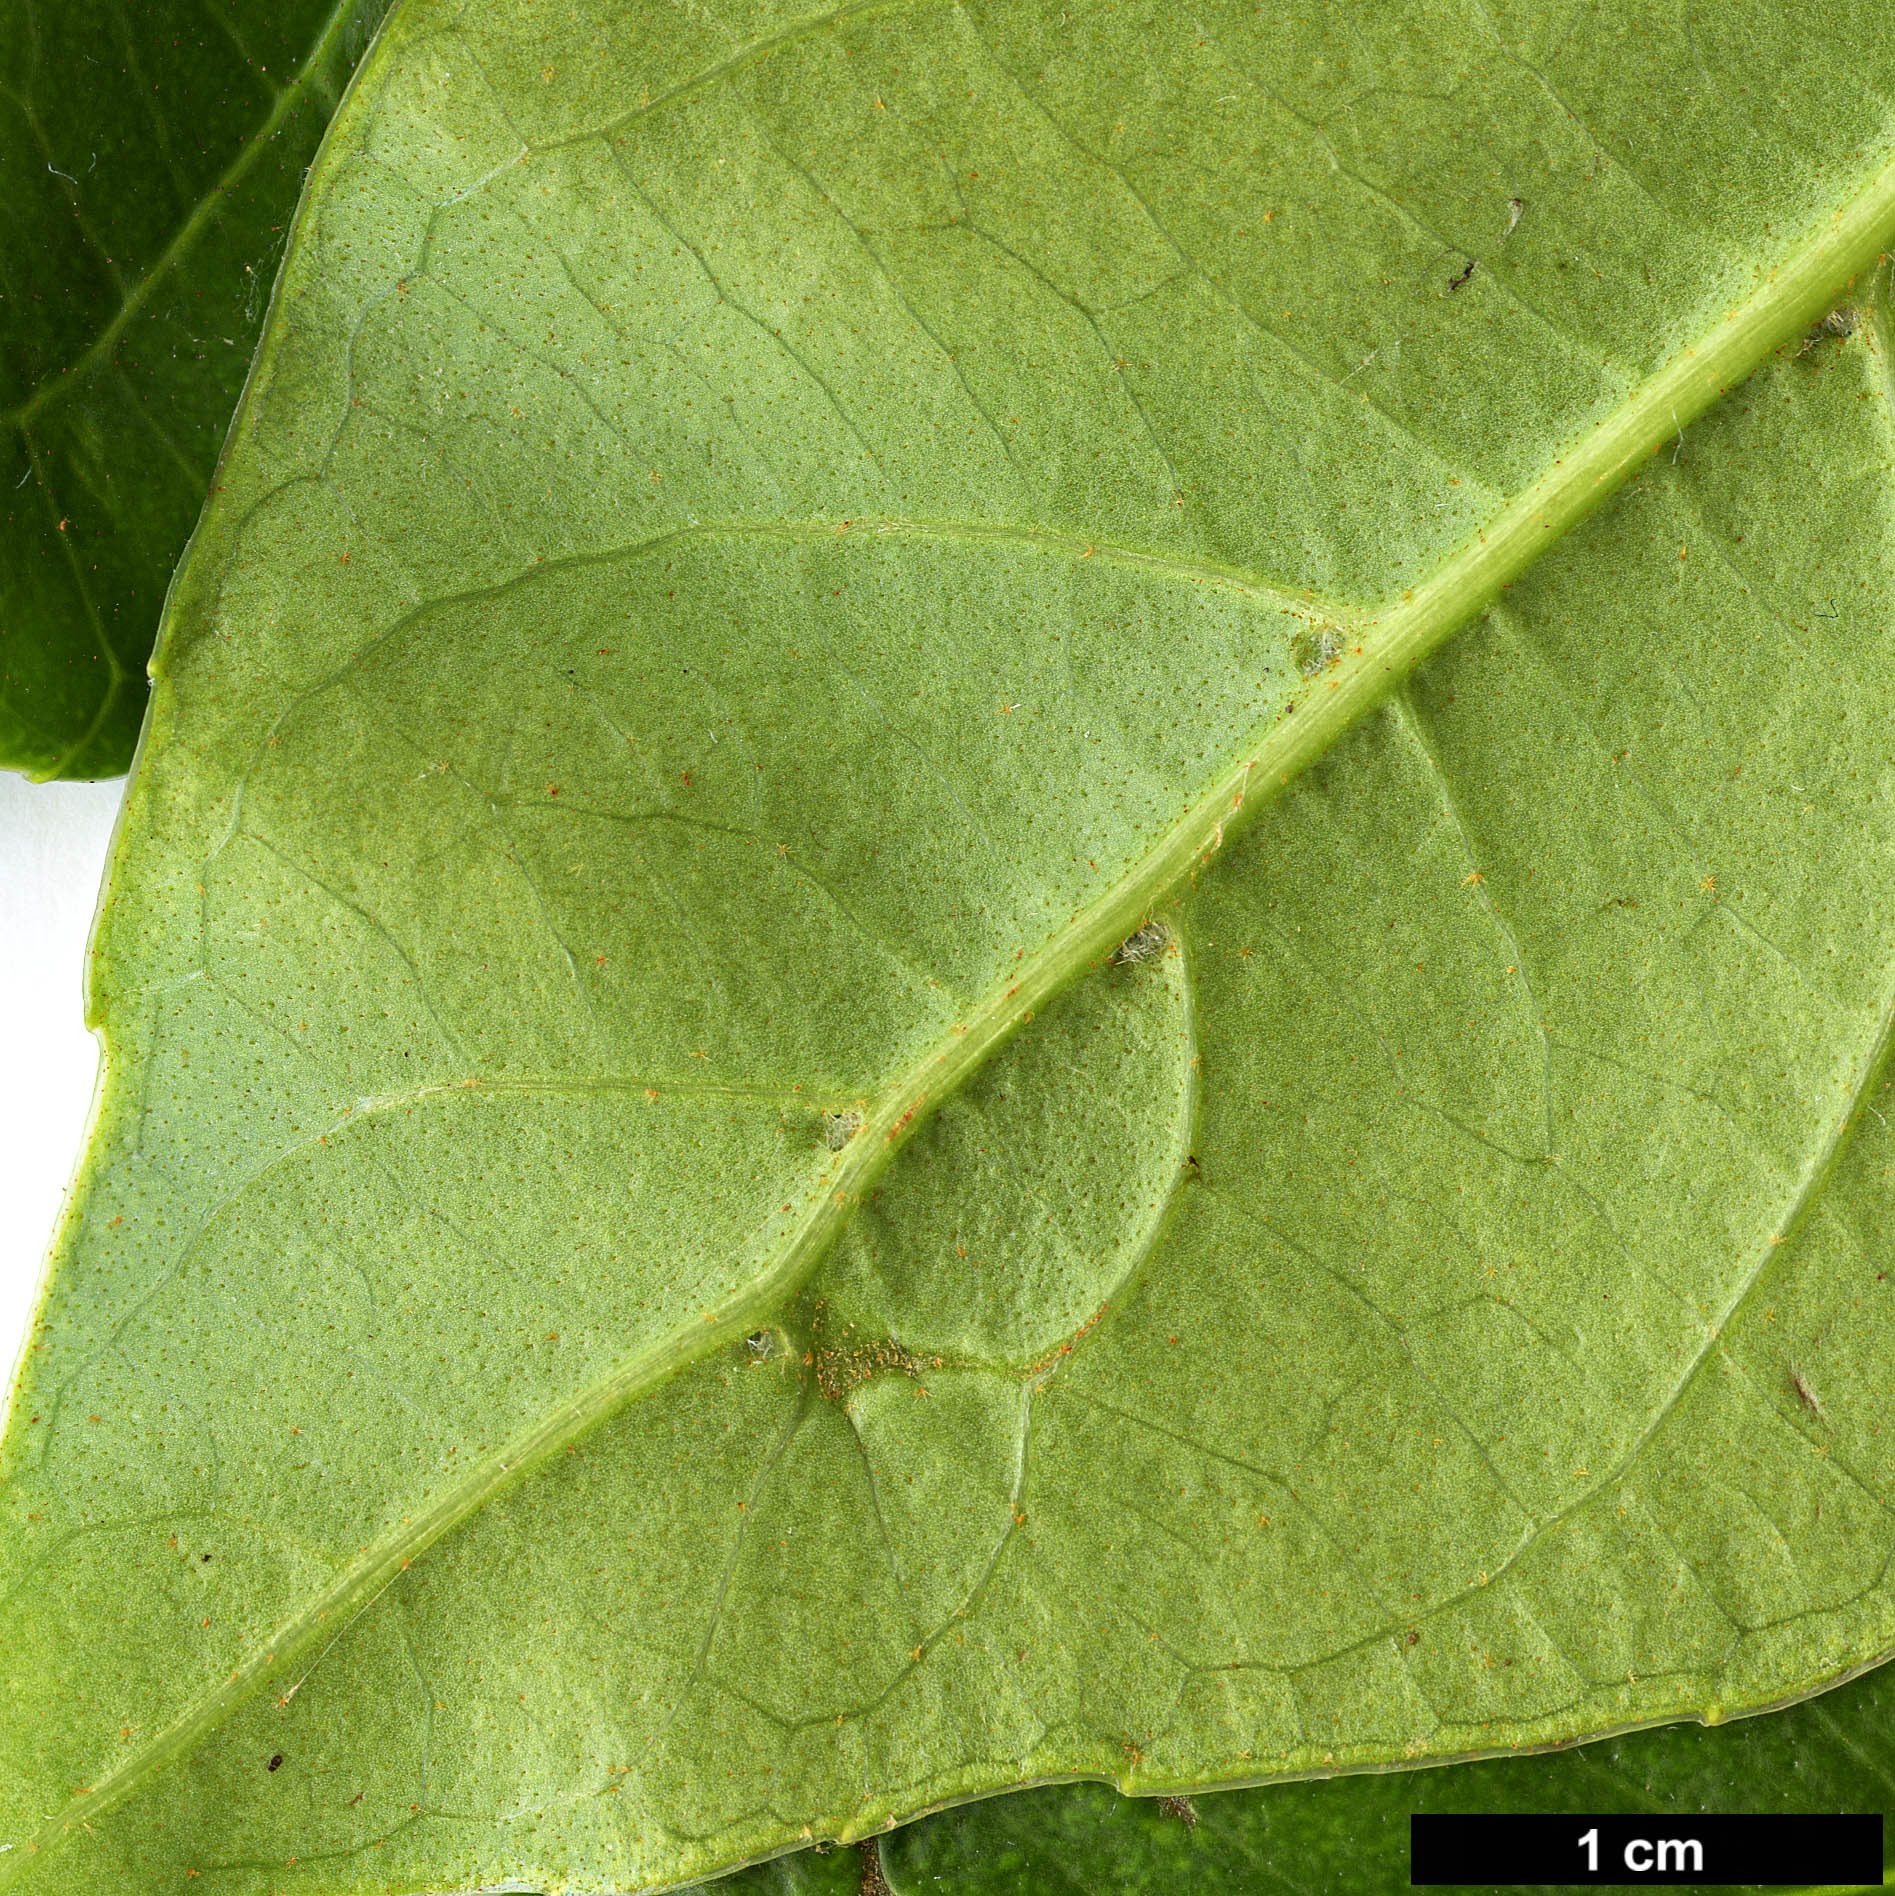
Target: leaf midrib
x,y
1393,642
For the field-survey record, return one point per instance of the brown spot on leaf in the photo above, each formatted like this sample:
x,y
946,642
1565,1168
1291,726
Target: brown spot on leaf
x,y
845,1365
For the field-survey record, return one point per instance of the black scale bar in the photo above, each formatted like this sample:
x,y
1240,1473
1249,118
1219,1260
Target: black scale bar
x,y
1710,1852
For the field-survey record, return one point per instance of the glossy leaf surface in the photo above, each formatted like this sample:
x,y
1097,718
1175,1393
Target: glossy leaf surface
x,y
834,1870
151,154
844,1066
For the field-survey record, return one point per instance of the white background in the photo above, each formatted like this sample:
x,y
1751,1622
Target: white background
x,y
53,840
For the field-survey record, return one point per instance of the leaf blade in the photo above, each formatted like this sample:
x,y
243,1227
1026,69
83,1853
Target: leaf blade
x,y
234,795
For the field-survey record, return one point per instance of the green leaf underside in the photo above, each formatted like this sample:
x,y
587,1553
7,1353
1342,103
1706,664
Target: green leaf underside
x,y
750,562
150,160
1349,1837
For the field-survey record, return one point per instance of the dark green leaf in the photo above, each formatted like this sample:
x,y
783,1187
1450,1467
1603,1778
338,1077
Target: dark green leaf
x,y
151,154
836,1871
